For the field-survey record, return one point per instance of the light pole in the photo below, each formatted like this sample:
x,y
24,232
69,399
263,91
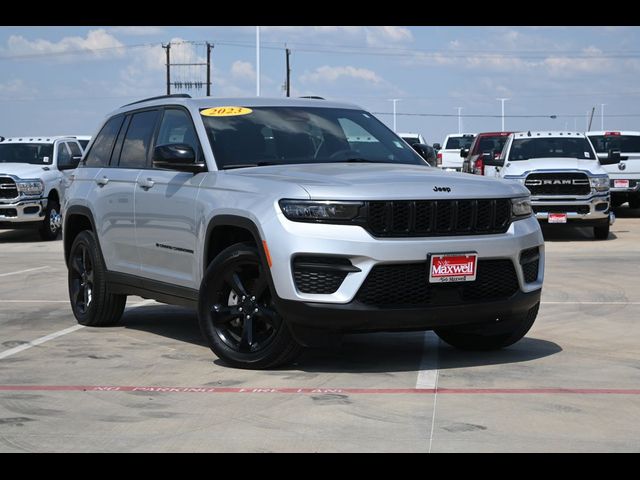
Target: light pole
x,y
394,100
602,116
459,120
257,61
503,100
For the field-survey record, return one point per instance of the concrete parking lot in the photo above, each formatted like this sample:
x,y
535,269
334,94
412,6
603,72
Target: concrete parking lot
x,y
573,384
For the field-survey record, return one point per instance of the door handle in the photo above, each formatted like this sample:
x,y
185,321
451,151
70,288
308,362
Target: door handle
x,y
146,183
102,181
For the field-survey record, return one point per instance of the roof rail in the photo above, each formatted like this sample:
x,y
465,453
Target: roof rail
x,y
173,95
313,97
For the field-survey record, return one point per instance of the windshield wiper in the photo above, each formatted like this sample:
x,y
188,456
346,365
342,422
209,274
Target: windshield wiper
x,y
355,160
247,165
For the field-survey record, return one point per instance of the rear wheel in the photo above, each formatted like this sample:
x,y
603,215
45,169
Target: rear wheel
x,y
52,223
634,202
490,337
237,315
92,303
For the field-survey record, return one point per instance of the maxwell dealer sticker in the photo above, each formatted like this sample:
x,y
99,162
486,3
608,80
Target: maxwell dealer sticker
x,y
557,218
453,267
225,111
621,184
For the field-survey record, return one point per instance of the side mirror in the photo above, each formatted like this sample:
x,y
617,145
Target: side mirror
x,y
612,158
426,152
490,159
73,163
464,152
437,146
177,156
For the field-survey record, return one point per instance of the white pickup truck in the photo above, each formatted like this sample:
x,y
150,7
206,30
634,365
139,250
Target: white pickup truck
x,y
32,170
567,181
624,176
449,157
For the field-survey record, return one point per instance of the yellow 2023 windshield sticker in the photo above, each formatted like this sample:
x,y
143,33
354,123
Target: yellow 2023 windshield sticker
x,y
225,111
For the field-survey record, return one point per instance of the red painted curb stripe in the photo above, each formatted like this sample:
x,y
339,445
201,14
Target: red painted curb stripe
x,y
373,391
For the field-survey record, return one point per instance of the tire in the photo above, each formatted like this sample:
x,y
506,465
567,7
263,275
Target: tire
x,y
51,225
617,202
491,337
601,233
634,202
236,283
92,303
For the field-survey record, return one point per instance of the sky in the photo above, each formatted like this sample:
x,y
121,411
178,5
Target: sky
x,y
64,80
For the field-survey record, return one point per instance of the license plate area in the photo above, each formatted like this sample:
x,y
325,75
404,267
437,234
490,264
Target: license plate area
x,y
453,267
557,218
621,184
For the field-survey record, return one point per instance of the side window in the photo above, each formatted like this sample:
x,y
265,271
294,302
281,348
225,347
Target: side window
x,y
137,140
177,127
100,152
64,156
75,149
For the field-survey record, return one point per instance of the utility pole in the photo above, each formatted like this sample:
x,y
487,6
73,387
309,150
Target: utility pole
x,y
288,52
257,61
167,47
459,120
209,48
394,100
593,110
503,100
602,116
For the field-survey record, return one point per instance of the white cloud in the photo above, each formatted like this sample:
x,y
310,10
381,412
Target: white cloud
x,y
243,71
15,87
137,31
99,41
380,36
330,74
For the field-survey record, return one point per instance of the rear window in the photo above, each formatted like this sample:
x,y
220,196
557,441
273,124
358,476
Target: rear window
x,y
526,148
486,144
624,143
456,143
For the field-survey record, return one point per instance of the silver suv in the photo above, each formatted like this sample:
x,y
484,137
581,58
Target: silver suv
x,y
286,221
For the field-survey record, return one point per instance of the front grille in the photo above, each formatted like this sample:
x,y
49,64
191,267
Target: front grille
x,y
582,209
8,212
315,274
424,218
574,183
407,285
530,262
8,188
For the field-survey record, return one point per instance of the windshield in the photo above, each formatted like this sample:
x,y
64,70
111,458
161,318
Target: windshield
x,y
486,144
34,153
526,148
83,143
288,135
624,143
456,143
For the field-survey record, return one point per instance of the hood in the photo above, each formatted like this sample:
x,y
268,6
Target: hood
x,y
366,181
520,167
23,170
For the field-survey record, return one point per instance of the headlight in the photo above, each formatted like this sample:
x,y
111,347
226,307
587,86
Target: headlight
x,y
30,187
521,207
319,211
600,184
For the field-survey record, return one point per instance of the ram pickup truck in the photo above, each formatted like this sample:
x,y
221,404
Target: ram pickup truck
x,y
567,181
288,222
624,177
32,181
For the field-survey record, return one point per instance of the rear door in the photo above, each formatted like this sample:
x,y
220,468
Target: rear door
x,y
166,228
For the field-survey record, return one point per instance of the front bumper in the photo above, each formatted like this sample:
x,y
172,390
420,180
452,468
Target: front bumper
x,y
593,209
22,212
287,239
634,184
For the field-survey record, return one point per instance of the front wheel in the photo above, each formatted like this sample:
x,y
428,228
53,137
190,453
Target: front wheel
x,y
634,202
52,223
601,233
237,315
490,337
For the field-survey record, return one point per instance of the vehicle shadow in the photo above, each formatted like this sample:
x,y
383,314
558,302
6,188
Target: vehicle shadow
x,y
562,233
22,236
361,353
